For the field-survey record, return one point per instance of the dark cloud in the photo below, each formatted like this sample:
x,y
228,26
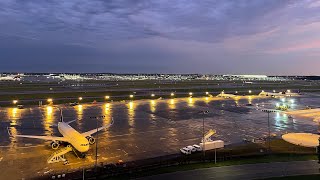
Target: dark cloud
x,y
146,36
95,19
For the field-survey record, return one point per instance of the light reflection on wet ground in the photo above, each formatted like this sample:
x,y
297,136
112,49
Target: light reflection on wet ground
x,y
149,128
147,115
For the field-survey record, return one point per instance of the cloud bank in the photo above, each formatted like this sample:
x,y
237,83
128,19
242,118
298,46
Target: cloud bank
x,y
183,36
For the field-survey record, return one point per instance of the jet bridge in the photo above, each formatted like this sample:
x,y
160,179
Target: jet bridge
x,y
207,143
207,136
58,156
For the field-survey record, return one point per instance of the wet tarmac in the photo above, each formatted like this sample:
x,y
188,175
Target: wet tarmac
x,y
141,129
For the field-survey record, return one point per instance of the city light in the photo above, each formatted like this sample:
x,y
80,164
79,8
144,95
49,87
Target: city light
x,y
107,97
190,93
250,91
274,91
288,90
49,100
207,93
80,98
15,101
131,96
172,94
236,92
292,101
262,91
277,105
152,95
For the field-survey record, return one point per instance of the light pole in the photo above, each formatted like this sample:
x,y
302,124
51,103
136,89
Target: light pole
x,y
97,138
269,133
269,149
203,140
318,149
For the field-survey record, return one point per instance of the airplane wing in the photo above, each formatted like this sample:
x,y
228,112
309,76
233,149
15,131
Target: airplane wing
x,y
71,121
93,131
47,138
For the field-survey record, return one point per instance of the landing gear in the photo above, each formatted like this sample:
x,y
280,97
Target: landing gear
x,y
83,155
79,154
91,140
55,145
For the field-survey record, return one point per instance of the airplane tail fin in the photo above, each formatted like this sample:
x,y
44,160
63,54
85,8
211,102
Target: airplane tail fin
x,y
61,116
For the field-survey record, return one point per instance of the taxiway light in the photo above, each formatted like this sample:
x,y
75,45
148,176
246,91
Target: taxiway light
x,y
288,90
15,101
262,91
274,91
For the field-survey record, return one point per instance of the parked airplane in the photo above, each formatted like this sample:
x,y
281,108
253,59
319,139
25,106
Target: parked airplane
x,y
79,141
272,94
224,95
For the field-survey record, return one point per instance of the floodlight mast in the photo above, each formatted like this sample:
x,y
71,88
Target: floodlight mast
x,y
97,117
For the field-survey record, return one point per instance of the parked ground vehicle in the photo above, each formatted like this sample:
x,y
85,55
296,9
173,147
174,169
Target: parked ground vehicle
x,y
192,149
197,147
185,151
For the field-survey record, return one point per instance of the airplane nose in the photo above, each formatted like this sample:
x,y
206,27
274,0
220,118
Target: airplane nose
x,y
85,148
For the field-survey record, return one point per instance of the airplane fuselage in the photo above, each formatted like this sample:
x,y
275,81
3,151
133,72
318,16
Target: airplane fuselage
x,y
78,141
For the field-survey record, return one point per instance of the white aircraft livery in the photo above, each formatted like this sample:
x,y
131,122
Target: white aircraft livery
x,y
79,141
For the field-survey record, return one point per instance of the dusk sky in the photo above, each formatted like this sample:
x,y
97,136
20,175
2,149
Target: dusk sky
x,y
273,37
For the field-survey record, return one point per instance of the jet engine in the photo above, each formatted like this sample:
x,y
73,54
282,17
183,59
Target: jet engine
x,y
55,145
91,140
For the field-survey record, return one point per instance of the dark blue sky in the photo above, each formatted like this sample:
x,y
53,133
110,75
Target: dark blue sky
x,y
161,36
